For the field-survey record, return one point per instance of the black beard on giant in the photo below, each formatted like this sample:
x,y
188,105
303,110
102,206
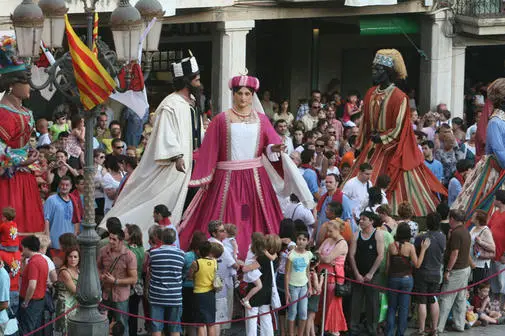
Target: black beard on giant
x,y
195,91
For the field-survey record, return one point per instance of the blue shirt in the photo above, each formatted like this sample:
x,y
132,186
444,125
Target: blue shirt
x,y
189,257
5,284
495,142
59,214
310,177
436,168
454,190
165,287
347,205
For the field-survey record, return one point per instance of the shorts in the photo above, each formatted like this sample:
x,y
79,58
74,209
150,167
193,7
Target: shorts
x,y
298,309
205,307
313,305
423,286
167,313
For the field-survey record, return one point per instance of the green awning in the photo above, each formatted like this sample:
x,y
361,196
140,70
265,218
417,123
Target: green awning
x,y
388,25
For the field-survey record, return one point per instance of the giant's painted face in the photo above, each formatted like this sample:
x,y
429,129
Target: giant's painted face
x,y
379,74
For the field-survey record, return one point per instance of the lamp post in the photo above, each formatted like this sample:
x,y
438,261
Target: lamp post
x,y
31,22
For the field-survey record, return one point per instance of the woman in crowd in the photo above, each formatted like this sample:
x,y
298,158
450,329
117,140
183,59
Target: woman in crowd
x,y
333,252
384,212
133,239
297,138
187,285
75,143
283,113
111,181
405,214
333,121
401,258
99,159
58,169
374,200
66,288
482,242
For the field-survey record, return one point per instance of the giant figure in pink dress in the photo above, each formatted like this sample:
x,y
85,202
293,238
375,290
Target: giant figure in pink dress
x,y
230,171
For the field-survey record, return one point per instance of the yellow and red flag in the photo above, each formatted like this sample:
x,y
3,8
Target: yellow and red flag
x,y
93,81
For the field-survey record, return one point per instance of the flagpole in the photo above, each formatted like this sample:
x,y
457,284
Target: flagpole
x,y
87,319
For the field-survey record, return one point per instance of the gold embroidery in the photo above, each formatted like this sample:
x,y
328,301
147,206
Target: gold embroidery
x,y
203,180
225,193
260,193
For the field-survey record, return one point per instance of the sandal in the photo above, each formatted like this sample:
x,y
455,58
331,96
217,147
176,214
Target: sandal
x,y
246,304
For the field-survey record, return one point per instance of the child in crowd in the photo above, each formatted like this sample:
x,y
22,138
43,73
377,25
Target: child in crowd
x,y
43,129
203,271
230,242
60,125
297,284
481,305
257,246
471,317
313,305
9,240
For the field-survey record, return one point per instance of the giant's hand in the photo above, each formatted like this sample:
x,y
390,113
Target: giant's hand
x,y
278,148
32,157
180,166
376,138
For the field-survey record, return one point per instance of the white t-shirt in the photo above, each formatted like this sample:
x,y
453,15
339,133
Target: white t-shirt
x,y
357,191
299,211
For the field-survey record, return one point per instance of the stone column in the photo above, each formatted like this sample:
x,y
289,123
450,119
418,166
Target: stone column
x,y
458,81
228,59
436,69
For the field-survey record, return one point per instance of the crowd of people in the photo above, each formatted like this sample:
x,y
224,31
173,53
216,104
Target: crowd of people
x,y
268,248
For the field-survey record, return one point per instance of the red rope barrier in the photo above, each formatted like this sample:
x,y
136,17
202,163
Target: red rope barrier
x,y
419,294
204,324
52,321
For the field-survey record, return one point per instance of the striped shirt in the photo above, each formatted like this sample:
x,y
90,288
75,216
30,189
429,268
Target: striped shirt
x,y
165,287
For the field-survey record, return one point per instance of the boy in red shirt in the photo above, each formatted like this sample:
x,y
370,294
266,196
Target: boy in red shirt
x,y
9,231
33,286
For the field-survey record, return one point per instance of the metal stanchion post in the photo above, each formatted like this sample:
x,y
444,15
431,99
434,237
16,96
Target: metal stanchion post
x,y
325,287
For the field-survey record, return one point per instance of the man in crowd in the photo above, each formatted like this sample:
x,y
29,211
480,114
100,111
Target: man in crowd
x,y
130,163
333,195
101,129
427,277
304,108
365,255
456,273
165,285
33,286
357,187
281,127
115,133
58,212
309,173
310,119
296,210
117,267
463,168
161,216
434,165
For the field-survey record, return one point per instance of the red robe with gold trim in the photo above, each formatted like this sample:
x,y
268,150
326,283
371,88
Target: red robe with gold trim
x,y
398,156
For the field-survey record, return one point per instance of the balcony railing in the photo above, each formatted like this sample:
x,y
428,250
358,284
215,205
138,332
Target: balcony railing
x,y
480,8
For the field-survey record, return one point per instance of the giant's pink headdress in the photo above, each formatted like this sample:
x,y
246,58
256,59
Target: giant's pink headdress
x,y
244,80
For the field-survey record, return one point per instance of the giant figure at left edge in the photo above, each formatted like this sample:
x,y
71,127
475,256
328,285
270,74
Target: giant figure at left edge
x,y
163,174
18,187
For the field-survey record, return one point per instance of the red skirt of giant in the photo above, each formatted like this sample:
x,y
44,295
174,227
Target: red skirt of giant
x,y
22,193
398,156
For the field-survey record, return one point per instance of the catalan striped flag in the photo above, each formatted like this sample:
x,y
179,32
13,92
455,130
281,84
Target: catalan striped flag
x,y
94,83
95,34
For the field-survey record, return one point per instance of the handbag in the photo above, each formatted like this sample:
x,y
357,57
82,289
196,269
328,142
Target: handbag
x,y
275,302
480,252
218,282
342,290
